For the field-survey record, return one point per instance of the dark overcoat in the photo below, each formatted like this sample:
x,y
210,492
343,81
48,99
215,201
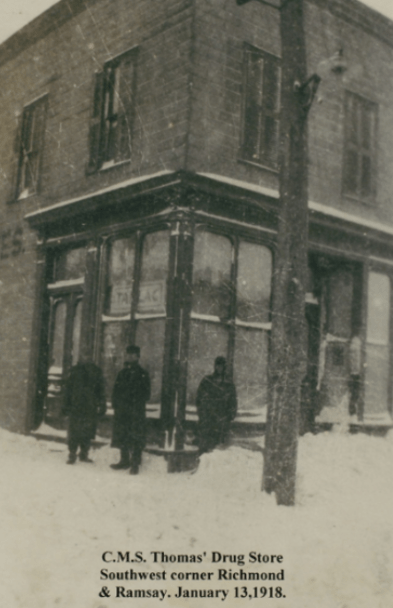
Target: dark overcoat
x,y
216,405
84,400
130,394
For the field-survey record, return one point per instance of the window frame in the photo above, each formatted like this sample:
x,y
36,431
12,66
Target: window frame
x,y
353,102
263,158
233,323
110,110
133,317
30,147
381,269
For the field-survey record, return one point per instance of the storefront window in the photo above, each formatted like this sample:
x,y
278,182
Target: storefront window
x,y
250,368
214,325
154,274
121,276
207,341
212,275
70,264
253,283
378,345
114,343
150,334
149,319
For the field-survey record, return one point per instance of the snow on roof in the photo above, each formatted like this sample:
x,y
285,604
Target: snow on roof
x,y
313,206
242,184
349,217
118,186
263,190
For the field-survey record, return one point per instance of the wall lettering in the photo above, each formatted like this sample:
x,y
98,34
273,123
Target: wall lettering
x,y
11,242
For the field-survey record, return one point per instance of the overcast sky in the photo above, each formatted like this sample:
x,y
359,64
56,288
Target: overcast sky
x,y
14,14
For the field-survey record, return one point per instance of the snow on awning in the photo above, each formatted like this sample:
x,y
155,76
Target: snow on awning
x,y
164,178
120,188
325,210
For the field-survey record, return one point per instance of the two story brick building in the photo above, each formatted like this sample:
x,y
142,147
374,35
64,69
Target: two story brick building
x,y
139,203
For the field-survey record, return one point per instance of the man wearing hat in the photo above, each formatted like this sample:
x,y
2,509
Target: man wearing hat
x,y
84,403
217,405
130,394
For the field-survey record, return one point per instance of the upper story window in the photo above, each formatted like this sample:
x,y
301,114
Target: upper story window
x,y
359,178
112,112
31,146
260,131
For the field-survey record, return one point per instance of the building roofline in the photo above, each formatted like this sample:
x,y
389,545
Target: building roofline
x,y
352,11
51,19
360,15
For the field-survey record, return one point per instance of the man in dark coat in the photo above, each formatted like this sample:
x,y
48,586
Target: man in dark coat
x,y
217,405
84,402
130,394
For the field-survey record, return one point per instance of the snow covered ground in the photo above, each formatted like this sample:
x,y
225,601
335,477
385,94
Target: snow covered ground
x,y
58,520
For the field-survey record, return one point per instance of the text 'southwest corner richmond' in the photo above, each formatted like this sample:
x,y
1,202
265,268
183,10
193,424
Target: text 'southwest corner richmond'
x,y
139,204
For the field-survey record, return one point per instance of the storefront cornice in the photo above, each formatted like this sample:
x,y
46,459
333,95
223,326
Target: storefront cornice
x,y
319,213
359,226
256,195
92,201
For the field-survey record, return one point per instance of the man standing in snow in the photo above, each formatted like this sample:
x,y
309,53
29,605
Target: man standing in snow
x,y
130,394
84,402
217,405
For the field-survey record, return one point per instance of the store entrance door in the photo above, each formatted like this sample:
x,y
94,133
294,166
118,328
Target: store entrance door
x,y
64,346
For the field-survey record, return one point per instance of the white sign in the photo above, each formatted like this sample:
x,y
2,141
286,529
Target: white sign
x,y
152,297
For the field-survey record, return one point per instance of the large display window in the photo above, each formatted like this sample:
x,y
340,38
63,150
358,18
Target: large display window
x,y
135,305
377,377
230,314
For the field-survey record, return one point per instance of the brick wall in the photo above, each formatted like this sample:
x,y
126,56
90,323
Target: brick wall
x,y
63,64
369,74
188,115
221,29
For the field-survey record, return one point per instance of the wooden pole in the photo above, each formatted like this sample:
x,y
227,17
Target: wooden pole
x,y
288,350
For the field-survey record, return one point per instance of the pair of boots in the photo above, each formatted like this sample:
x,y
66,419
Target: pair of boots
x,y
126,463
83,457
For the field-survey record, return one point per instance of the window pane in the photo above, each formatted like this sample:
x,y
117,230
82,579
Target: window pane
x,y
360,128
270,87
351,172
366,127
212,274
269,138
254,283
76,332
378,309
150,336
70,264
378,344
340,303
207,341
59,335
121,275
114,343
154,273
352,119
250,368
377,379
366,176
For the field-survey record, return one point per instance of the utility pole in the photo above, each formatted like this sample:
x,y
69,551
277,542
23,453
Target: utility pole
x,y
287,364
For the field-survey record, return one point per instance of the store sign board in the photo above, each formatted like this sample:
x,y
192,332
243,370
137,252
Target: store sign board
x,y
152,297
121,299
